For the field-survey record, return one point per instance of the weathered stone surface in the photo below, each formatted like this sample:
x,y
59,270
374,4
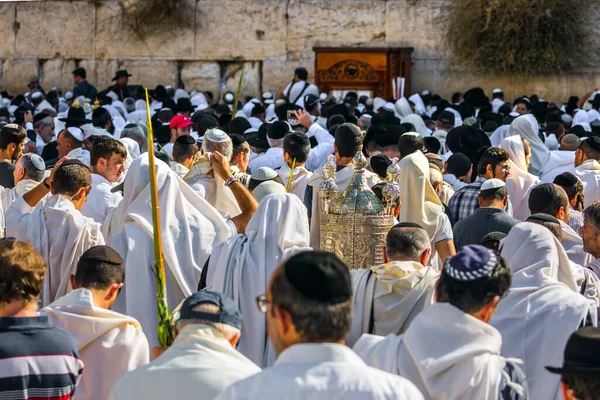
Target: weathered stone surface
x,y
201,76
277,74
150,72
100,71
55,29
330,23
251,82
116,37
58,73
16,74
240,29
7,44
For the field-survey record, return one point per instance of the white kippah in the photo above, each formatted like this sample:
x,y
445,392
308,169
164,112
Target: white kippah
x,y
36,95
425,92
366,116
492,184
497,91
217,136
263,174
411,134
77,133
267,188
388,107
229,97
38,162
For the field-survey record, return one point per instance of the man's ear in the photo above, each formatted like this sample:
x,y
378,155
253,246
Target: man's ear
x,y
72,282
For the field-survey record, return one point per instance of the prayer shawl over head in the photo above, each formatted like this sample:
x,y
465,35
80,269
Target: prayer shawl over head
x,y
390,296
402,108
542,308
109,344
190,227
589,174
445,352
526,126
417,121
501,133
299,180
212,188
8,196
60,233
560,161
519,182
420,203
241,266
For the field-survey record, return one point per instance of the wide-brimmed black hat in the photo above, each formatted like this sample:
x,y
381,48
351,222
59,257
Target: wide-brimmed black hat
x,y
595,101
120,73
75,117
467,140
184,104
582,354
259,139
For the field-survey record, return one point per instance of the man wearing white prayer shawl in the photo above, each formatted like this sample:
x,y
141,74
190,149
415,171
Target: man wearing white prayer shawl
x,y
135,133
450,351
348,142
587,168
389,296
56,228
519,182
201,362
590,232
185,151
318,154
69,144
308,310
296,147
241,266
543,306
190,228
107,160
109,344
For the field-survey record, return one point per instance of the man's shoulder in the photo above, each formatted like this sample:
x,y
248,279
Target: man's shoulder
x,y
46,340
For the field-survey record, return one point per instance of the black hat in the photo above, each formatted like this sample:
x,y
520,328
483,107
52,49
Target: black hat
x,y
336,119
184,104
459,164
207,122
582,354
380,163
237,139
5,113
432,144
408,225
162,134
566,179
299,138
490,126
446,117
541,195
493,236
278,130
185,140
75,117
593,142
541,217
310,100
258,109
319,276
79,72
259,139
160,93
239,125
39,117
102,254
595,101
467,140
228,312
120,73
340,109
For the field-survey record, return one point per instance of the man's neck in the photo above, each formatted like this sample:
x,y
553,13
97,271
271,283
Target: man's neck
x,y
497,205
289,164
98,298
343,161
5,157
19,309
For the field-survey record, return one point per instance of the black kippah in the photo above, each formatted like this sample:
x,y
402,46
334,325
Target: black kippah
x,y
541,195
541,217
102,254
73,161
594,142
408,225
237,139
566,179
129,126
185,140
319,276
493,236
379,164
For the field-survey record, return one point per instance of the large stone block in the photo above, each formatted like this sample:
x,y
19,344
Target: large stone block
x,y
326,23
117,36
251,85
7,33
16,74
58,73
55,29
277,74
201,76
100,72
150,73
240,29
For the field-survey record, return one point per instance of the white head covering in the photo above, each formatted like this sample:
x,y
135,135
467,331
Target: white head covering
x,y
419,105
501,133
526,126
266,188
420,203
120,107
180,94
581,116
140,105
402,107
378,102
241,266
417,121
458,121
133,149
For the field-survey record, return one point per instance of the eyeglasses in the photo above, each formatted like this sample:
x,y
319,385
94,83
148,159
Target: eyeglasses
x,y
505,167
262,302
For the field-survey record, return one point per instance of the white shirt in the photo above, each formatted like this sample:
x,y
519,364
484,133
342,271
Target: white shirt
x,y
180,169
318,154
255,122
272,158
101,200
321,371
298,88
199,365
168,149
80,154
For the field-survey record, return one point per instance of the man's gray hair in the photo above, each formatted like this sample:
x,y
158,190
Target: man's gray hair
x,y
591,214
137,134
225,148
406,243
227,330
44,121
275,142
31,171
435,177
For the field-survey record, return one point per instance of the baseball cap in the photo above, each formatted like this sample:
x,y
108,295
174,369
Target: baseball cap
x,y
229,313
180,121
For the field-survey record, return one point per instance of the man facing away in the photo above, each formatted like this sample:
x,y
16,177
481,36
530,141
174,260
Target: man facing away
x,y
389,296
201,362
296,147
309,306
39,360
450,351
185,151
107,160
110,344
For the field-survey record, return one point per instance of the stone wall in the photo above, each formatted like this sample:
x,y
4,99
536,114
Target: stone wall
x,y
51,38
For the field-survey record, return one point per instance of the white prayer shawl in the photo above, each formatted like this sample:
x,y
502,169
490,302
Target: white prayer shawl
x,y
581,116
589,174
418,102
138,117
417,121
190,227
101,200
213,190
133,148
180,169
299,180
391,295
402,108
8,196
519,182
104,337
446,353
573,245
241,267
560,161
80,154
140,105
180,94
543,299
342,179
526,126
60,233
501,133
458,121
593,115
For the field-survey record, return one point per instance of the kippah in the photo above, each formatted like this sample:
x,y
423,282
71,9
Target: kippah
x,y
319,276
263,174
493,236
38,162
566,179
472,262
77,133
497,91
541,195
408,225
594,142
266,188
366,116
388,107
493,183
380,163
541,217
40,117
216,136
185,140
36,95
229,97
128,126
103,254
73,161
237,139
411,134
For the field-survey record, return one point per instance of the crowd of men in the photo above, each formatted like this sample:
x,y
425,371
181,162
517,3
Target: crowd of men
x,y
489,287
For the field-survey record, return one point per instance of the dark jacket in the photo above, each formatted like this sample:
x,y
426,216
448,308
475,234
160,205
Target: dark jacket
x,y
86,90
485,220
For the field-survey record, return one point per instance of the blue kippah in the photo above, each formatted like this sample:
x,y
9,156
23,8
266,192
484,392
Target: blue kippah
x,y
470,263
